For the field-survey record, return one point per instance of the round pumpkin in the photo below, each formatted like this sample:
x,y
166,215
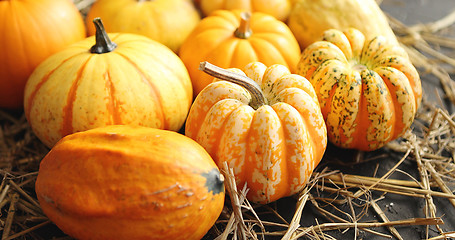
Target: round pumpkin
x,y
32,30
280,9
166,21
266,124
232,39
133,80
368,89
126,182
310,18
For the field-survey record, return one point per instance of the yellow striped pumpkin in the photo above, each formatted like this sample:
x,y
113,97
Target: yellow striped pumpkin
x,y
270,130
139,81
368,89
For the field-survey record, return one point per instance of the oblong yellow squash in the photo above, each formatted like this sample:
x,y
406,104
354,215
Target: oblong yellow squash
x,y
310,18
166,21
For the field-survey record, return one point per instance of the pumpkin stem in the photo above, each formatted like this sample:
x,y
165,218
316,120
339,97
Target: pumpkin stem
x,y
244,30
257,97
103,42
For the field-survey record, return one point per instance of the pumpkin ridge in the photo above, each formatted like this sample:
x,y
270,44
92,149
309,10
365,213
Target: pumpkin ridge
x,y
240,174
376,133
284,56
67,123
399,121
43,80
270,50
317,81
158,60
303,122
219,131
234,46
153,91
357,135
112,106
285,149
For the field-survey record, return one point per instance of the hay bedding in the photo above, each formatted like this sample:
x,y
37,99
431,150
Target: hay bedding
x,y
406,187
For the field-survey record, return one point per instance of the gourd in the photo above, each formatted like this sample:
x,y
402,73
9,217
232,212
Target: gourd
x,y
265,123
129,182
279,9
32,31
368,89
310,18
232,39
166,21
133,80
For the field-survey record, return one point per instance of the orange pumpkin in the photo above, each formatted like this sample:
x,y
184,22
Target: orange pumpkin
x,y
32,30
368,89
279,9
166,21
267,125
134,81
232,39
125,182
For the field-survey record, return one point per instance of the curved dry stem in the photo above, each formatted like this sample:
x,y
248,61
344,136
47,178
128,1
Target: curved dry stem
x,y
257,97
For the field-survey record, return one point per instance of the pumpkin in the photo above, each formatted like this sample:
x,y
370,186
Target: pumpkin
x,y
166,21
232,39
368,89
310,18
31,32
279,9
129,182
265,123
133,80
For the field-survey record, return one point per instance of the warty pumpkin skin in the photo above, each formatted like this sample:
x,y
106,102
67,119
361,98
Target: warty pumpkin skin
x,y
138,82
166,21
310,18
368,89
232,39
126,182
279,9
273,144
32,30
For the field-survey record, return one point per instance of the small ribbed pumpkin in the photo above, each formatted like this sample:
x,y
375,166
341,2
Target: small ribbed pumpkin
x,y
368,89
279,9
31,31
126,182
232,39
266,124
134,81
166,21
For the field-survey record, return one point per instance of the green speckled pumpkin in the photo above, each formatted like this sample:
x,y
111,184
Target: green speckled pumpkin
x,y
368,89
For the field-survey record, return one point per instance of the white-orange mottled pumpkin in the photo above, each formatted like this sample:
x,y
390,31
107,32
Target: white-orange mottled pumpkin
x,y
270,130
368,89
